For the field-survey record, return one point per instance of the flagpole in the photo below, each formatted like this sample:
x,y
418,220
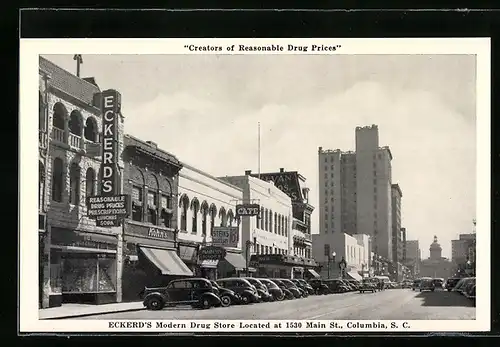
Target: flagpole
x,y
258,135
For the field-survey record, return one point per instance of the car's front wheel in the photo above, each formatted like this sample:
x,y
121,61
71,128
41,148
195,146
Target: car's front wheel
x,y
205,303
155,304
225,300
245,299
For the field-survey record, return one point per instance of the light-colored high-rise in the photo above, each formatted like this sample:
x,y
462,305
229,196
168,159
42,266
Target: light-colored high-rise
x,y
355,190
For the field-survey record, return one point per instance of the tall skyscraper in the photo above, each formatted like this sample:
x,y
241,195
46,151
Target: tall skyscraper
x,y
355,190
397,244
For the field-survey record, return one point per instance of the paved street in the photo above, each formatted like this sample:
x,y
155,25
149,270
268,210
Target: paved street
x,y
392,304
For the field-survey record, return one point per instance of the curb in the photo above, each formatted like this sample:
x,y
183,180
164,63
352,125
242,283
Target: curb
x,y
94,314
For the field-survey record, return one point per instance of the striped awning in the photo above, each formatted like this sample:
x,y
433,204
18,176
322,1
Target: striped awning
x,y
167,261
313,273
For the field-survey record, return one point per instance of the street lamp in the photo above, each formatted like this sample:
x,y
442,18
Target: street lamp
x,y
334,254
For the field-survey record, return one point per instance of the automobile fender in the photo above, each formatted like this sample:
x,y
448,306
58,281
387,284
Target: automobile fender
x,y
248,292
213,297
155,295
233,295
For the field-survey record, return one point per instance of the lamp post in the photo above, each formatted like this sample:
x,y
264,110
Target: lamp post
x,y
329,260
247,251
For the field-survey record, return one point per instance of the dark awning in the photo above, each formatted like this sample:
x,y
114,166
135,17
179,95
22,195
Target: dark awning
x,y
236,260
167,261
313,273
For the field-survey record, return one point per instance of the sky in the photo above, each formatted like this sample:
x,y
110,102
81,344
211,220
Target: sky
x,y
205,110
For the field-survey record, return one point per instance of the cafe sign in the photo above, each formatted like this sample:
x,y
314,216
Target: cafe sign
x,y
212,253
247,210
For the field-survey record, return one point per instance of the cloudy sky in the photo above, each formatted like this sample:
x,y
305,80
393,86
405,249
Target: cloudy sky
x,y
205,110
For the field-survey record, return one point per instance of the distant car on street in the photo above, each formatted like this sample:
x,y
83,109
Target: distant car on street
x,y
367,286
427,284
438,283
416,284
319,286
197,292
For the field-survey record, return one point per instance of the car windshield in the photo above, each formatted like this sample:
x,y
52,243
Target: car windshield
x,y
288,283
254,281
269,284
278,282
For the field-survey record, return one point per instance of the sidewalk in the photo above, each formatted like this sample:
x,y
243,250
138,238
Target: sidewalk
x,y
79,310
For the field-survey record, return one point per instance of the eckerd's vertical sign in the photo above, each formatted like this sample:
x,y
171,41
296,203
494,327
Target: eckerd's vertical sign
x,y
111,100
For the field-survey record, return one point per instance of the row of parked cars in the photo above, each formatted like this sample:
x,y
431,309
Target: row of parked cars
x,y
465,286
204,293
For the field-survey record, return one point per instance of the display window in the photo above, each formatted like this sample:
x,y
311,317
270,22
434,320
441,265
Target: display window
x,y
55,273
88,273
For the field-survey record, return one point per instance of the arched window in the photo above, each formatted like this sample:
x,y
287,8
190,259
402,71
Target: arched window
x,y
90,131
213,214
204,213
276,223
59,116
41,184
262,219
166,218
41,112
151,215
222,216
74,184
75,123
184,203
90,182
270,220
57,180
230,218
266,220
195,207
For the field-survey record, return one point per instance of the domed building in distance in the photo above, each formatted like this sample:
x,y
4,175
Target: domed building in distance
x,y
436,266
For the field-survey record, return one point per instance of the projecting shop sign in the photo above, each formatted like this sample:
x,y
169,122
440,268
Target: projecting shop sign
x,y
108,210
225,236
247,210
110,110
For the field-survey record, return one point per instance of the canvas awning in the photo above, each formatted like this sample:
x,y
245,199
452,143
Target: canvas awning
x,y
167,261
236,260
354,276
313,273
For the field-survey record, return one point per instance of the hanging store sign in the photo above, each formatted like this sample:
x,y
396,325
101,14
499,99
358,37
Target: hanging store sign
x,y
111,101
245,210
225,236
108,210
212,253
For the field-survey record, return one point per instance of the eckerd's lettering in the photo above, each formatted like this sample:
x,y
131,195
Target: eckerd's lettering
x,y
109,141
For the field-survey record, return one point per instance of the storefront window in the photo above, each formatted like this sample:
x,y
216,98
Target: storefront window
x,y
86,273
55,272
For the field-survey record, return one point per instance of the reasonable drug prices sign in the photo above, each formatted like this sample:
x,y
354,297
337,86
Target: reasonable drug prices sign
x,y
225,236
108,210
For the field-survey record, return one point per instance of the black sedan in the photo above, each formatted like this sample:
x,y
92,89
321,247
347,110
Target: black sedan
x,y
226,296
273,289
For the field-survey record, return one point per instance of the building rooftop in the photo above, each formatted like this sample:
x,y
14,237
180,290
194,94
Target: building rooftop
x,y
65,81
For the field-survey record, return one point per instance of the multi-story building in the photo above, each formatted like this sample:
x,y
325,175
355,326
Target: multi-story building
x,y
397,246
413,256
80,260
355,191
403,245
269,236
463,252
149,235
207,202
436,265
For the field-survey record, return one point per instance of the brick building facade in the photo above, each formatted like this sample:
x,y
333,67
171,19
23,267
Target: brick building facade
x,y
80,262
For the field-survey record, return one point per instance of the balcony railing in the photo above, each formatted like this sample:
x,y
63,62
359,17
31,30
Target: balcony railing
x,y
42,139
58,134
75,141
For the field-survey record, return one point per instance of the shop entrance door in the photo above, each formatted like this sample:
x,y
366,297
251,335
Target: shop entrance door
x,y
40,276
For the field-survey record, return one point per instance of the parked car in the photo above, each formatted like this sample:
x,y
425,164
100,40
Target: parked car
x,y
288,293
242,287
197,292
273,289
305,285
336,286
471,292
319,286
427,284
468,286
261,289
461,284
227,296
451,283
416,284
296,291
367,285
406,284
